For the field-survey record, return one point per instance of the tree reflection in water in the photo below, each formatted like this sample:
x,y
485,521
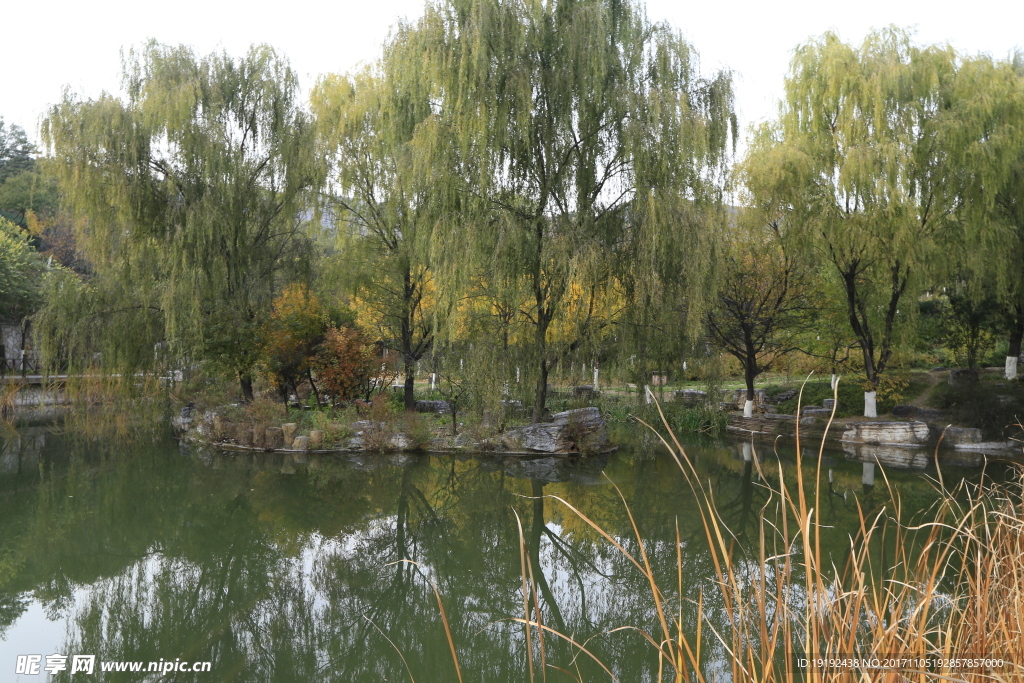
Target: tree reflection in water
x,y
277,569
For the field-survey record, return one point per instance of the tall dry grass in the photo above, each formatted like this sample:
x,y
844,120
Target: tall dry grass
x,y
924,592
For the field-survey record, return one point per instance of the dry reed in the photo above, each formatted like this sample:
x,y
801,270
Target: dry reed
x,y
946,592
951,588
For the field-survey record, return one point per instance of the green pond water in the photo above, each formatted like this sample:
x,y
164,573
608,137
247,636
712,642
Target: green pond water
x,y
275,569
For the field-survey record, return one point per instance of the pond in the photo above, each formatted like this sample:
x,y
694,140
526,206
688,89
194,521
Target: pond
x,y
273,568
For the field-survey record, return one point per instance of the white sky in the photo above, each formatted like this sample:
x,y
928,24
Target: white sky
x,y
50,45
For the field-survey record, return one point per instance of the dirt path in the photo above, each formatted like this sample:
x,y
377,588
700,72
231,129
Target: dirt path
x,y
933,381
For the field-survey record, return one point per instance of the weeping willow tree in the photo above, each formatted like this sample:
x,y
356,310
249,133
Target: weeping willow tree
x,y
861,157
189,192
372,126
579,131
990,96
1010,208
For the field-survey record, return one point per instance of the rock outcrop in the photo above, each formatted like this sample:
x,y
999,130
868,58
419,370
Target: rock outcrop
x,y
691,396
916,412
439,407
887,433
959,436
573,431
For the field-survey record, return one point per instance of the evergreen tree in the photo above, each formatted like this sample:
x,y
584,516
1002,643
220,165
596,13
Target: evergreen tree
x,y
15,151
21,273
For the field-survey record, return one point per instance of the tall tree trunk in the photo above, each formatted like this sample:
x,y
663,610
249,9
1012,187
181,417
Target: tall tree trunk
x,y
749,373
541,396
1013,352
642,376
541,340
870,395
860,322
312,385
861,329
245,380
410,384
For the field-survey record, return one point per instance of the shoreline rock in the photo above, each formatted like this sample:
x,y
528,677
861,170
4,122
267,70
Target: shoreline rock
x,y
582,431
887,433
571,432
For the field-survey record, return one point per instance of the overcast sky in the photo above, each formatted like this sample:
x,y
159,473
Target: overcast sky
x,y
50,45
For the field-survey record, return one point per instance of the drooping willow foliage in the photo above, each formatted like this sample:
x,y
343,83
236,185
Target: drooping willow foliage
x,y
883,160
585,151
535,187
190,190
372,127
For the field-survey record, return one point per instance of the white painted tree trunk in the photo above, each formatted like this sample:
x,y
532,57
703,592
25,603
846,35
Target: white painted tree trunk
x,y
868,474
517,375
870,407
648,394
596,388
748,452
748,408
832,384
1011,367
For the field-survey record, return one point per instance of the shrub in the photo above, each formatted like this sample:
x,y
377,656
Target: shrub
x,y
418,428
377,435
351,367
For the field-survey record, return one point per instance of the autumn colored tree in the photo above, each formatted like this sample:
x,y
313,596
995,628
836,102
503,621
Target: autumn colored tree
x,y
291,336
350,366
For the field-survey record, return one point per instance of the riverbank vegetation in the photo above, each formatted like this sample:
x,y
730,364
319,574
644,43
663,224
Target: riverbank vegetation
x,y
932,594
513,201
950,588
